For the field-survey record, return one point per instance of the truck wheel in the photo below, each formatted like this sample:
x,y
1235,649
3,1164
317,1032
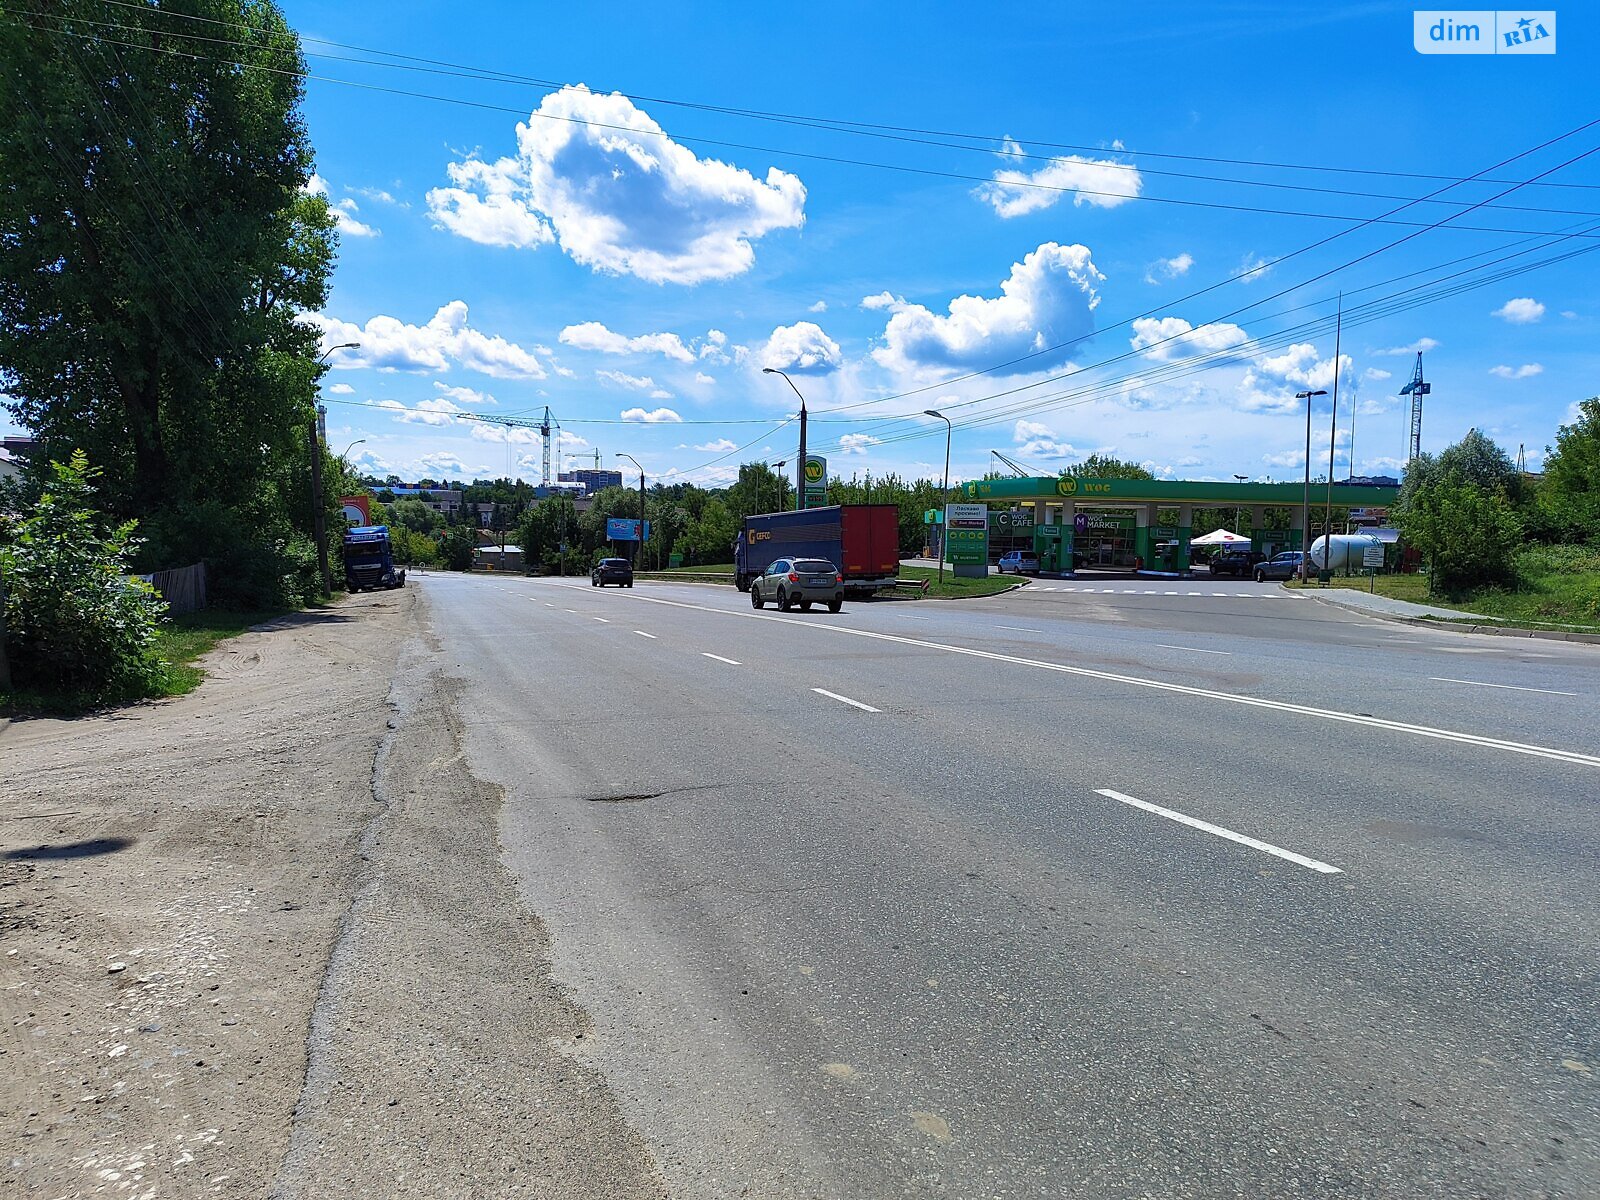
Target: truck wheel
x,y
740,582
783,600
835,604
755,597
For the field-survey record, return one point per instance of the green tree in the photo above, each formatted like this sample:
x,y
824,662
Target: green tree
x,y
457,546
709,538
544,527
74,621
159,251
1569,498
1103,466
415,516
1467,535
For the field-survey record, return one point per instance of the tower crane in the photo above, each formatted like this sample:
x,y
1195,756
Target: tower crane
x,y
1416,389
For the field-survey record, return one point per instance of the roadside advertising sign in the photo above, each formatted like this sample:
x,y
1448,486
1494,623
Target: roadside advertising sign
x,y
967,534
625,529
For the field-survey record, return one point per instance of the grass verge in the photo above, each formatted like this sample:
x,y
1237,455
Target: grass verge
x,y
954,587
1557,587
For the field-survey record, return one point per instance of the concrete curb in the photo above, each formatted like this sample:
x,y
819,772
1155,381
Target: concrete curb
x,y
1549,635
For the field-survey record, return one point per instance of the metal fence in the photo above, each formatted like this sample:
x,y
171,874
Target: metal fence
x,y
183,588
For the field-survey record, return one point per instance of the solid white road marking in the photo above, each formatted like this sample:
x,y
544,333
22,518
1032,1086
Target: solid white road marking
x,y
1160,685
642,633
845,700
1321,868
1506,686
719,658
1191,649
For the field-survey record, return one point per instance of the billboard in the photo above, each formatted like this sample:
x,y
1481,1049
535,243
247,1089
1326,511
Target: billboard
x,y
357,509
625,529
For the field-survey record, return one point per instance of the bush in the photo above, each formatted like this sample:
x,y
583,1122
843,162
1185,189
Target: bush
x,y
247,569
75,622
1466,535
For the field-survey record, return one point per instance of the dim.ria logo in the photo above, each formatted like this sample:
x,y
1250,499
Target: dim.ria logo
x,y
1484,31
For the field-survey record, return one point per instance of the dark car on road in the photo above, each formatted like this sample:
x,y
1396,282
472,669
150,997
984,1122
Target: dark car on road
x,y
1019,562
1282,566
802,581
612,570
1238,563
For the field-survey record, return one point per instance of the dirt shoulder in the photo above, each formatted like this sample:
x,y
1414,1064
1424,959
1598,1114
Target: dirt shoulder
x,y
258,940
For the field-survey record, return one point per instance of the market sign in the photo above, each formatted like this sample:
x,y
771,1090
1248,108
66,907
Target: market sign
x,y
967,535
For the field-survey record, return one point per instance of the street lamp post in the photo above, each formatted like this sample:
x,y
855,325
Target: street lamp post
x,y
1305,505
639,556
800,499
944,503
319,520
1238,509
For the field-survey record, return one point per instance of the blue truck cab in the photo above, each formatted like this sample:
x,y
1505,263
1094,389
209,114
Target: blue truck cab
x,y
369,559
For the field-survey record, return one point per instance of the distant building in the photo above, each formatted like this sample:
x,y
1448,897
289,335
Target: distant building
x,y
441,500
9,468
18,448
591,479
1368,481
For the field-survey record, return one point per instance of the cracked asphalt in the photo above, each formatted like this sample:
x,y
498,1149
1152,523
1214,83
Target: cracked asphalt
x,y
1054,894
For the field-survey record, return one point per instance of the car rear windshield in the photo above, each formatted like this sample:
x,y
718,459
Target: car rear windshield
x,y
813,566
613,562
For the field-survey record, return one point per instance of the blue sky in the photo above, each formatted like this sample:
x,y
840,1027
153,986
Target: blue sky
x,y
637,283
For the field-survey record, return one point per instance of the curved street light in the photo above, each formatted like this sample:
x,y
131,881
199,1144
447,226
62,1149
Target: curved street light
x,y
639,554
800,500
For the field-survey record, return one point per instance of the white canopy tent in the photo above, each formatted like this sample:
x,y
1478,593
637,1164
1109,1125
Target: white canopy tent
x,y
1220,537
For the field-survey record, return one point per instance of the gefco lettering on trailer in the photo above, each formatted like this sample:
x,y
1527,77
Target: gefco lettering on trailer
x,y
760,535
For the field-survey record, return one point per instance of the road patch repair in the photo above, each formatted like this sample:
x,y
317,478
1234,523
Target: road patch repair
x,y
240,958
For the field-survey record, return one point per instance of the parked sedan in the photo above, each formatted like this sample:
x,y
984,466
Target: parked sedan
x,y
1283,566
612,570
1019,562
802,581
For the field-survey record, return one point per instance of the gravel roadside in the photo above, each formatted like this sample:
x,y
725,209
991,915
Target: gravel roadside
x,y
258,940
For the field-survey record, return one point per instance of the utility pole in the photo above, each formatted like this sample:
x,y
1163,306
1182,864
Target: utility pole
x,y
319,518
639,556
1305,503
800,500
5,663
1333,422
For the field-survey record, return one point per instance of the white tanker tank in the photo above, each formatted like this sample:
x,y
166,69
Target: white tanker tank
x,y
1346,550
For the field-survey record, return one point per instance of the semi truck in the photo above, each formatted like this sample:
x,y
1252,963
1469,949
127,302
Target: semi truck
x,y
862,540
369,559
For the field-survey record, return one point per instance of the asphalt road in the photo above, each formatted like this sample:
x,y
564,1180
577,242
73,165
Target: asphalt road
x,y
1061,893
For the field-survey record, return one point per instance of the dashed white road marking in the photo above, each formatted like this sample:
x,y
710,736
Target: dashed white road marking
x,y
1312,864
1505,686
1479,741
731,662
1191,649
602,620
845,700
642,633
1019,628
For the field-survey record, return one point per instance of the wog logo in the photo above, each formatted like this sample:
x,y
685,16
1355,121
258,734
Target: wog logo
x,y
1484,31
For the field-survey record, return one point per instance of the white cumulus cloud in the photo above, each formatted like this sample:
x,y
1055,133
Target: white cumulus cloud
x,y
720,446
1524,310
597,175
342,389
1048,299
1420,346
801,347
638,383
446,340
1169,268
443,464
656,416
821,306
343,211
1526,371
592,335
857,443
463,395
1167,338
1102,182
884,300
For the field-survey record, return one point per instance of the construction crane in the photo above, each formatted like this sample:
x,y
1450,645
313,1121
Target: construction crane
x,y
1416,389
1015,467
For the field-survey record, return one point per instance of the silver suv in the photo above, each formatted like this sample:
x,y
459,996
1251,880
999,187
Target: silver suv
x,y
802,581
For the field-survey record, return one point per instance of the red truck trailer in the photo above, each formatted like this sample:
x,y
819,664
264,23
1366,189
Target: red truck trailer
x,y
862,540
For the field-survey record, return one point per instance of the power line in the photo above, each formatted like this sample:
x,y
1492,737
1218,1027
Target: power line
x,y
899,168
863,128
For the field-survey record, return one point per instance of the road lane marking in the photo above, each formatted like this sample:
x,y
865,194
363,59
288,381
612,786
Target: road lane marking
x,y
602,620
1506,686
642,633
1312,864
1191,649
719,658
1479,741
845,700
1019,628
